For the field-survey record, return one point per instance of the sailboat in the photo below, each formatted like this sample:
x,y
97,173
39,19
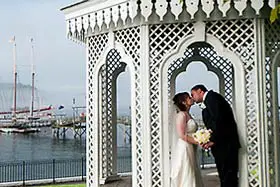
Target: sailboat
x,y
16,124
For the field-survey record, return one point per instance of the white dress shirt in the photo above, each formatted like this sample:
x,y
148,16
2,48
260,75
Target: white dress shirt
x,y
202,105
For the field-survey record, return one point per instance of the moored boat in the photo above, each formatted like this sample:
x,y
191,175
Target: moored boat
x,y
19,130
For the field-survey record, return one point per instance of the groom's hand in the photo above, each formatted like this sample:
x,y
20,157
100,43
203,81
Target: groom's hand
x,y
207,145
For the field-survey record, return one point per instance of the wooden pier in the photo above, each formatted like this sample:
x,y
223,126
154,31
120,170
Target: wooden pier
x,y
77,127
76,124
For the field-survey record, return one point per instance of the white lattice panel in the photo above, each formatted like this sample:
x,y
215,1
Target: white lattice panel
x,y
163,39
224,65
106,125
174,67
215,61
130,39
96,45
109,74
238,36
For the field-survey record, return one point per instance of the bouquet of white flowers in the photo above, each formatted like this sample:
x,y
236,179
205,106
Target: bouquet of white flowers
x,y
202,136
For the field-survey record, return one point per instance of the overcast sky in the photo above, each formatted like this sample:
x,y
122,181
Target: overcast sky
x,y
60,63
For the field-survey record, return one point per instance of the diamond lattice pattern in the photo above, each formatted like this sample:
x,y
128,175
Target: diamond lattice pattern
x,y
238,36
163,39
213,59
108,77
96,45
130,39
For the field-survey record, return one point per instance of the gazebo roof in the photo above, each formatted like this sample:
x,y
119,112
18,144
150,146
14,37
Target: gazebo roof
x,y
89,17
73,5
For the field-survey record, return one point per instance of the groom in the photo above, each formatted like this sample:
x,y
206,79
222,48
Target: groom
x,y
224,143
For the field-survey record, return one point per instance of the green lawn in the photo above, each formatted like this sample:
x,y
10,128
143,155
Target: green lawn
x,y
66,185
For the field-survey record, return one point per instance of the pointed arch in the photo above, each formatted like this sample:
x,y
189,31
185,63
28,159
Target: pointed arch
x,y
238,98
128,61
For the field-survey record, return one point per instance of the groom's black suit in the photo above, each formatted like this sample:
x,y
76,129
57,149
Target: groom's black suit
x,y
218,117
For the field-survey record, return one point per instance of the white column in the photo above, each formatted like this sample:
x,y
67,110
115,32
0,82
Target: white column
x,y
261,104
93,138
146,121
114,175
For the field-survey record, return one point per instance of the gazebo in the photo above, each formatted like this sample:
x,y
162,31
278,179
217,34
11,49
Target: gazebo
x,y
156,41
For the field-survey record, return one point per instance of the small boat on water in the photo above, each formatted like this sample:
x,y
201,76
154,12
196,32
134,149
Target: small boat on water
x,y
19,126
19,130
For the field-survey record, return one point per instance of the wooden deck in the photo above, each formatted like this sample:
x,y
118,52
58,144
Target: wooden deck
x,y
210,177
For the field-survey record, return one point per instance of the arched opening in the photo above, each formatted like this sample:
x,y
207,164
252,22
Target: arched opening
x,y
196,73
124,156
113,76
226,73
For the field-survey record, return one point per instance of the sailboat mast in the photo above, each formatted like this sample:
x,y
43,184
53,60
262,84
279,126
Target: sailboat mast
x,y
33,77
13,40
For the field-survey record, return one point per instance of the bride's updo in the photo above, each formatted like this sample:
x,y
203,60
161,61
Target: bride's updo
x,y
180,100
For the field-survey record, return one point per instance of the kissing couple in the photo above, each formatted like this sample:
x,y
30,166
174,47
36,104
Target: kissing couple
x,y
224,143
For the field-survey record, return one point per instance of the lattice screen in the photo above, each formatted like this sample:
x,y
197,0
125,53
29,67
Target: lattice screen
x,y
238,36
130,39
108,77
96,45
213,59
163,39
272,41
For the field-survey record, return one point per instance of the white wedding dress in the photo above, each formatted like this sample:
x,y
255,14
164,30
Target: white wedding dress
x,y
185,170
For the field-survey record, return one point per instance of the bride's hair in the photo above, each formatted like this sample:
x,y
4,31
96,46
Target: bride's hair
x,y
179,99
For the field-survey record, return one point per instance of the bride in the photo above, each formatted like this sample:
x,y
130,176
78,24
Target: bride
x,y
185,171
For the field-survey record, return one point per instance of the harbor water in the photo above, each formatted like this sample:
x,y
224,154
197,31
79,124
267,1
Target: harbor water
x,y
44,145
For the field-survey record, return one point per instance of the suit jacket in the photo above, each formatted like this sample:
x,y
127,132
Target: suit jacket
x,y
218,117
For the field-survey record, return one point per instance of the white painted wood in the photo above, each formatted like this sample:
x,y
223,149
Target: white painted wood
x,y
90,6
239,101
176,8
199,30
207,6
98,7
192,7
146,9
97,122
249,87
261,106
145,91
96,131
161,8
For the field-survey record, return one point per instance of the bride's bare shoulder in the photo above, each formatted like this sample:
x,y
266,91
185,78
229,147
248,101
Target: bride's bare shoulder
x,y
181,115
